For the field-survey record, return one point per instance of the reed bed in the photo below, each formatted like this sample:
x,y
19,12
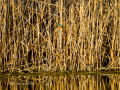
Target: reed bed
x,y
31,40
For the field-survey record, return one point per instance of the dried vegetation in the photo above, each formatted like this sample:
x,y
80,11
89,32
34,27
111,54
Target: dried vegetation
x,y
31,41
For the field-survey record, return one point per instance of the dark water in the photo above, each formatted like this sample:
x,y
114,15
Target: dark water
x,y
60,82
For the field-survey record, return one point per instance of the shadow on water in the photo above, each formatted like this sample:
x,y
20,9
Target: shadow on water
x,y
60,82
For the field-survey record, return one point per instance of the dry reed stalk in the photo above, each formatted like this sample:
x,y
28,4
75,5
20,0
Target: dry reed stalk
x,y
118,32
49,30
37,32
64,42
32,33
94,47
4,32
115,30
101,9
90,42
81,31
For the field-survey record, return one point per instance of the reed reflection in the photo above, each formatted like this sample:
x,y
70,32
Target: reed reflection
x,y
67,82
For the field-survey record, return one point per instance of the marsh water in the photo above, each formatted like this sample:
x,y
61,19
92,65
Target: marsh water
x,y
89,81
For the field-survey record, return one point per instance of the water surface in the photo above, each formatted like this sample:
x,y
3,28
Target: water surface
x,y
86,81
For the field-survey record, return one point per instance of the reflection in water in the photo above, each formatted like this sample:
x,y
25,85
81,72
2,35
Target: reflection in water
x,y
67,82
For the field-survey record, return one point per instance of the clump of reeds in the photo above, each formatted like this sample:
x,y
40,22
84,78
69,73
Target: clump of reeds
x,y
30,39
